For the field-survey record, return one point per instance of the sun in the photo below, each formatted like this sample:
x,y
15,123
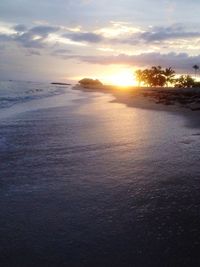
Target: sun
x,y
122,78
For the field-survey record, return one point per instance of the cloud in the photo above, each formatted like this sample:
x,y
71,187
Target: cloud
x,y
20,28
154,35
84,37
49,37
36,37
181,61
158,34
4,37
43,30
30,38
27,40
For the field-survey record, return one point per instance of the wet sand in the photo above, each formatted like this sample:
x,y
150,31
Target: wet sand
x,y
168,99
99,183
185,102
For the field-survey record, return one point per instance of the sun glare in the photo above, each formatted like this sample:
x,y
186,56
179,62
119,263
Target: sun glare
x,y
122,78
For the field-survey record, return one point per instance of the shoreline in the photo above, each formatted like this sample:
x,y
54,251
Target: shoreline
x,y
186,100
63,99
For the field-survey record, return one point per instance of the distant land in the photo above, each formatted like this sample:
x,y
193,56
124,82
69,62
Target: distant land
x,y
188,98
58,83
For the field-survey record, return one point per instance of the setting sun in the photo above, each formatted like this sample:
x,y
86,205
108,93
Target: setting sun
x,y
122,78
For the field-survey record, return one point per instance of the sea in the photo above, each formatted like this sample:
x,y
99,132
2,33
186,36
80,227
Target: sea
x,y
86,181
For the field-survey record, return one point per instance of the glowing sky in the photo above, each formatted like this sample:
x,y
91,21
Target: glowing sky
x,y
71,39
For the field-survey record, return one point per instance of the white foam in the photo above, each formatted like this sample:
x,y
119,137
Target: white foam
x,y
65,99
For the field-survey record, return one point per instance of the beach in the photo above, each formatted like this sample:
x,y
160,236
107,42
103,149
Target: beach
x,y
98,179
157,98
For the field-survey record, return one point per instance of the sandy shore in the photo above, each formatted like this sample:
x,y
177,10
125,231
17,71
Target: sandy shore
x,y
166,99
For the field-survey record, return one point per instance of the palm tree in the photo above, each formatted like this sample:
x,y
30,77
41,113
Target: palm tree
x,y
169,74
156,76
196,68
157,69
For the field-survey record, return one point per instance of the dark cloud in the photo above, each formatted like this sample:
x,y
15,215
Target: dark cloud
x,y
27,40
43,30
20,28
34,37
152,35
181,61
84,37
158,34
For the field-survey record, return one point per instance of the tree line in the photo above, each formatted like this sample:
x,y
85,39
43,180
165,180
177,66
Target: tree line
x,y
156,76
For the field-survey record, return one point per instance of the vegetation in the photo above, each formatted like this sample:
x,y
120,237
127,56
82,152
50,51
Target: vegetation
x,y
185,81
89,82
196,68
169,74
156,76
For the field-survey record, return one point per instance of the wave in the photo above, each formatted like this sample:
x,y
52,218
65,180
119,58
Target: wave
x,y
15,92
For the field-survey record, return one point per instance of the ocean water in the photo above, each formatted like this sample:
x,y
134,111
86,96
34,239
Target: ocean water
x,y
85,181
14,92
21,96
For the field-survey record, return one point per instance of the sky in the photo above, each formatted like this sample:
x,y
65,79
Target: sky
x,y
65,40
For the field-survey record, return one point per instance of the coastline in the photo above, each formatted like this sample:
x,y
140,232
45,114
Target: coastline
x,y
185,100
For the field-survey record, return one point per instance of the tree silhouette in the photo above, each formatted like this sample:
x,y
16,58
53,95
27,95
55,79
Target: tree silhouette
x,y
155,77
196,68
185,81
158,77
169,74
90,82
